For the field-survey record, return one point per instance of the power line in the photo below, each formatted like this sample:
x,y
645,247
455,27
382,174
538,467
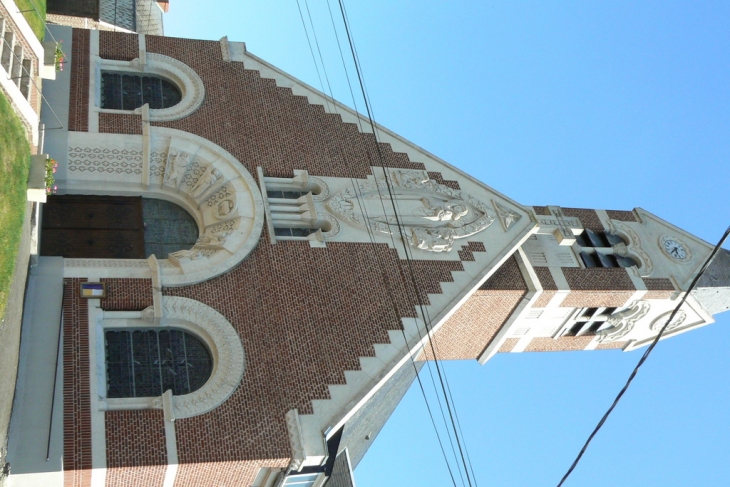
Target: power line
x,y
403,238
645,356
364,210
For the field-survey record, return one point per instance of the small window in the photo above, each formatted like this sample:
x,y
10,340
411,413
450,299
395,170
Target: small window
x,y
121,91
146,363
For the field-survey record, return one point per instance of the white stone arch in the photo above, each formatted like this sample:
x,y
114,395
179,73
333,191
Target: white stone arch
x,y
202,177
183,76
206,324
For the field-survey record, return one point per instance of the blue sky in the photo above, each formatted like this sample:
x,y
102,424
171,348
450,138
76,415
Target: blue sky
x,y
613,105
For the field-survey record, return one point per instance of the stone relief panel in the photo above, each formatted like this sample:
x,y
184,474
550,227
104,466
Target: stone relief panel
x,y
431,215
623,322
105,160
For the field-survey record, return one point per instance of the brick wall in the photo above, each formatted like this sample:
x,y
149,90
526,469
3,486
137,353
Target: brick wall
x,y
78,105
562,344
470,329
262,124
135,439
588,218
76,399
658,288
127,294
296,343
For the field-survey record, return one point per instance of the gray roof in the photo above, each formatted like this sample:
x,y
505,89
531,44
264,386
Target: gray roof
x,y
713,289
360,431
341,472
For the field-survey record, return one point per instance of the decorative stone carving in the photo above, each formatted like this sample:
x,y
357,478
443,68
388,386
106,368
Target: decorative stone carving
x,y
104,160
634,246
334,225
623,322
431,215
177,164
226,349
507,216
659,322
192,172
324,189
216,239
100,263
224,208
205,181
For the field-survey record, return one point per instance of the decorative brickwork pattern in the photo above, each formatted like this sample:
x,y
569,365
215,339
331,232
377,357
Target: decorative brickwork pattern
x,y
598,279
659,288
588,218
546,278
78,111
76,399
624,216
508,345
309,337
267,126
438,177
119,46
541,210
466,254
558,344
135,439
470,329
611,345
506,278
596,299
127,294
544,299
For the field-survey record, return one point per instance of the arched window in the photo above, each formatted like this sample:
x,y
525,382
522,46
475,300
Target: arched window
x,y
597,250
128,91
148,362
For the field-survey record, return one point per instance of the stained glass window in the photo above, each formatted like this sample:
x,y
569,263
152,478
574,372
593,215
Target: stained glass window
x,y
146,363
121,91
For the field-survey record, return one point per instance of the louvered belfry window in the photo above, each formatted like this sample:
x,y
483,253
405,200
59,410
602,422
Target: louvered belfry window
x,y
146,363
121,91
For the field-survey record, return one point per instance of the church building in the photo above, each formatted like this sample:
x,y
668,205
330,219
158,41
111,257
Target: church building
x,y
239,280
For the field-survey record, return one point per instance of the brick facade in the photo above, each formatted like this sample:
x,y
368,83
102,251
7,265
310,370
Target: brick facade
x,y
470,329
135,439
76,398
304,315
561,344
78,111
127,294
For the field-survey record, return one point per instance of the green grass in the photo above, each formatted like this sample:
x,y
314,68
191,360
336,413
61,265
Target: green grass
x,y
36,18
14,163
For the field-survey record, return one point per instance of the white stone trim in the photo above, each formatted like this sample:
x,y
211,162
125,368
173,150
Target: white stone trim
x,y
206,324
225,240
187,80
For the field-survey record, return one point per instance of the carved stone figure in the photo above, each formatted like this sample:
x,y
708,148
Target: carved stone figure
x,y
214,239
178,164
430,215
224,208
208,179
190,254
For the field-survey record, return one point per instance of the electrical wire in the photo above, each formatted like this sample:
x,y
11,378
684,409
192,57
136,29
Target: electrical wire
x,y
403,238
645,356
364,210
